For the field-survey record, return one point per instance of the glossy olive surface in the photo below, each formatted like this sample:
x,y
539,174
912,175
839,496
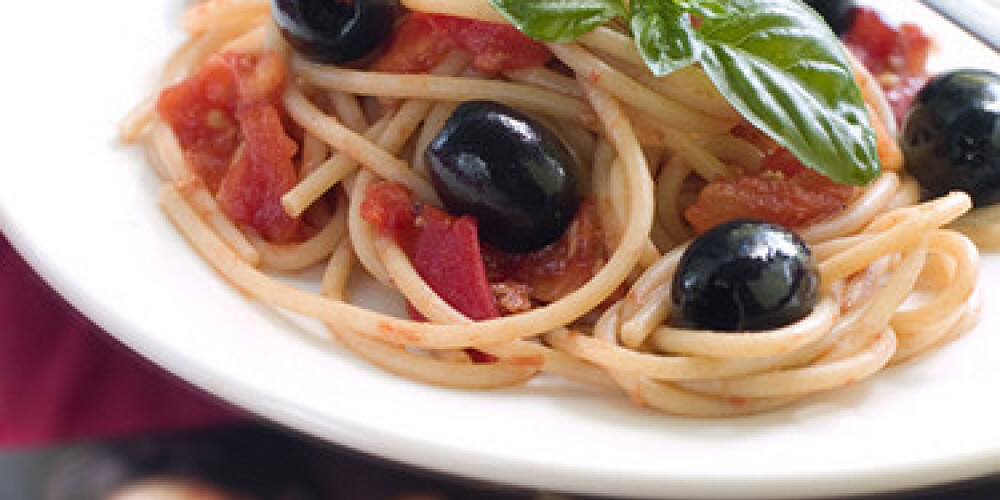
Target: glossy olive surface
x,y
839,14
509,171
951,136
744,275
335,31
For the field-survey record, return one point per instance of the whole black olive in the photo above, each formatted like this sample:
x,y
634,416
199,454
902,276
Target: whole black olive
x,y
839,14
335,31
744,275
951,136
509,171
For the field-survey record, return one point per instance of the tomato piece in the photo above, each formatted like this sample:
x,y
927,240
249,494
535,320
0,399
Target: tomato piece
x,y
417,45
559,268
391,208
446,253
228,120
871,39
251,191
260,77
915,46
202,113
493,47
421,41
444,250
785,192
896,56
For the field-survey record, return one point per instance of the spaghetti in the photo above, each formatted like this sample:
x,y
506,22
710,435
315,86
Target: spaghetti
x,y
895,281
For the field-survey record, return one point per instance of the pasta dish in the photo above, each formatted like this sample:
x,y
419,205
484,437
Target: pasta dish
x,y
654,197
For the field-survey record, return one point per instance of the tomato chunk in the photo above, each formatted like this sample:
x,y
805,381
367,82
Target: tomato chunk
x,y
557,269
251,191
493,47
896,56
202,112
423,40
443,249
417,45
228,120
785,192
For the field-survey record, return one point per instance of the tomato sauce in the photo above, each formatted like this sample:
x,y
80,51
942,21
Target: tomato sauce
x,y
230,124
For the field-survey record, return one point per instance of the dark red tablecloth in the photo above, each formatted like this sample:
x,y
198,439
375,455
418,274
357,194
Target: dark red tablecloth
x,y
63,379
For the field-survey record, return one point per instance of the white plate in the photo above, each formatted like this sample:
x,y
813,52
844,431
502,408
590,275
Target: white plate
x,y
82,211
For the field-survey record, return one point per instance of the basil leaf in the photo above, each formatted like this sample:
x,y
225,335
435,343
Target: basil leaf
x,y
664,35
776,61
780,66
558,20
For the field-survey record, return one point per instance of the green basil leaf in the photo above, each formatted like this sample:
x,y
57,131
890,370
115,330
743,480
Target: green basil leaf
x,y
664,35
778,63
558,20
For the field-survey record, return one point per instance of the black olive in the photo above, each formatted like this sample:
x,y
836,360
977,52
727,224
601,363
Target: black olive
x,y
335,31
744,275
839,14
951,136
509,171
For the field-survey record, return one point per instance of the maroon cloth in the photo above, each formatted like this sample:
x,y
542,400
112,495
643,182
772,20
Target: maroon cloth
x,y
63,379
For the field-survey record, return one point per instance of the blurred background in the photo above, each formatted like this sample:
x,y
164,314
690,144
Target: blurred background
x,y
255,461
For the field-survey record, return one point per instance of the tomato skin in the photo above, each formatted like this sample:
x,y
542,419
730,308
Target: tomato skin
x,y
229,122
785,192
443,249
421,41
